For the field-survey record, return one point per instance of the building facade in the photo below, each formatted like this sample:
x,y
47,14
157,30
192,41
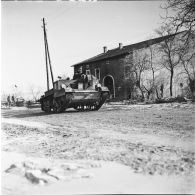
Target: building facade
x,y
114,67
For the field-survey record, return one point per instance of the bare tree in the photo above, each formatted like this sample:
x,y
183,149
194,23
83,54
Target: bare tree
x,y
148,86
152,81
170,51
188,65
148,81
35,92
181,15
145,70
141,64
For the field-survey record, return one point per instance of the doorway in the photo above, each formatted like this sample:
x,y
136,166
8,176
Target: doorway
x,y
108,81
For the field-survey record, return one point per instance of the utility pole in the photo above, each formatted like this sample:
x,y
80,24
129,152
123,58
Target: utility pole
x,y
46,55
49,59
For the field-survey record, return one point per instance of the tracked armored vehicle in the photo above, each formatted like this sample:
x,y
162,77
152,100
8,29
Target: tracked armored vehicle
x,y
84,92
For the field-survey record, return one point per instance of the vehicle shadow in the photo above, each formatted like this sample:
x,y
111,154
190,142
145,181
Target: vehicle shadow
x,y
33,113
19,114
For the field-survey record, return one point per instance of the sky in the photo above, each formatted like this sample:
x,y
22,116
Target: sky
x,y
75,30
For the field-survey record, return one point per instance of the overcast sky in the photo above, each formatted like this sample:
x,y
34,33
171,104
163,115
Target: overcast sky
x,y
76,31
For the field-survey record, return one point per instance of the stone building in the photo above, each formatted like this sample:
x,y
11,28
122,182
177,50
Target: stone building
x,y
113,67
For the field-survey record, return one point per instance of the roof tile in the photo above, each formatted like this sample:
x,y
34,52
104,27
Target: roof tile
x,y
125,50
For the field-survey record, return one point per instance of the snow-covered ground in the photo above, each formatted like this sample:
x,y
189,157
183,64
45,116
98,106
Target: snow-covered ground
x,y
118,149
84,177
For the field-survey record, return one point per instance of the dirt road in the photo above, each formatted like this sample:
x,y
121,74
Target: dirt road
x,y
152,140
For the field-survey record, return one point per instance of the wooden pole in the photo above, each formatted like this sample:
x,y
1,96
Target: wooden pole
x,y
49,61
46,55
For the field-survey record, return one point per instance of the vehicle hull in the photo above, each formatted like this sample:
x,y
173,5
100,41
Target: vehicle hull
x,y
59,100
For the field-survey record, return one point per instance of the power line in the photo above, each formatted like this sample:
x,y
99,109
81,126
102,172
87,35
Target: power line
x,y
53,18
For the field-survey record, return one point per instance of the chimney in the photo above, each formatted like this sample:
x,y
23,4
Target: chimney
x,y
120,45
105,49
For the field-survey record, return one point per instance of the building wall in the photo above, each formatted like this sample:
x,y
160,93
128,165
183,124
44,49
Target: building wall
x,y
120,68
162,75
113,67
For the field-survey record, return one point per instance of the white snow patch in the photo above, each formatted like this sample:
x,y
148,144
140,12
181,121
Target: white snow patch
x,y
110,178
24,123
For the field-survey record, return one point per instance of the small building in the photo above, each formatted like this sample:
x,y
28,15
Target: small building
x,y
113,67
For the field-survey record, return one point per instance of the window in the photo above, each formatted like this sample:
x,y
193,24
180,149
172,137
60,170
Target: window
x,y
97,73
107,62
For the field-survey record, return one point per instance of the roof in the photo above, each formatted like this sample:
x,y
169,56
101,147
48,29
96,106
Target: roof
x,y
125,50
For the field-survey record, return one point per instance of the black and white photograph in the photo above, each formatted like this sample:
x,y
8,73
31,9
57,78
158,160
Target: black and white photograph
x,y
97,97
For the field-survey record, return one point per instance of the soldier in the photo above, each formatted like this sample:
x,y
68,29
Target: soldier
x,y
77,75
86,82
13,99
90,80
8,100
